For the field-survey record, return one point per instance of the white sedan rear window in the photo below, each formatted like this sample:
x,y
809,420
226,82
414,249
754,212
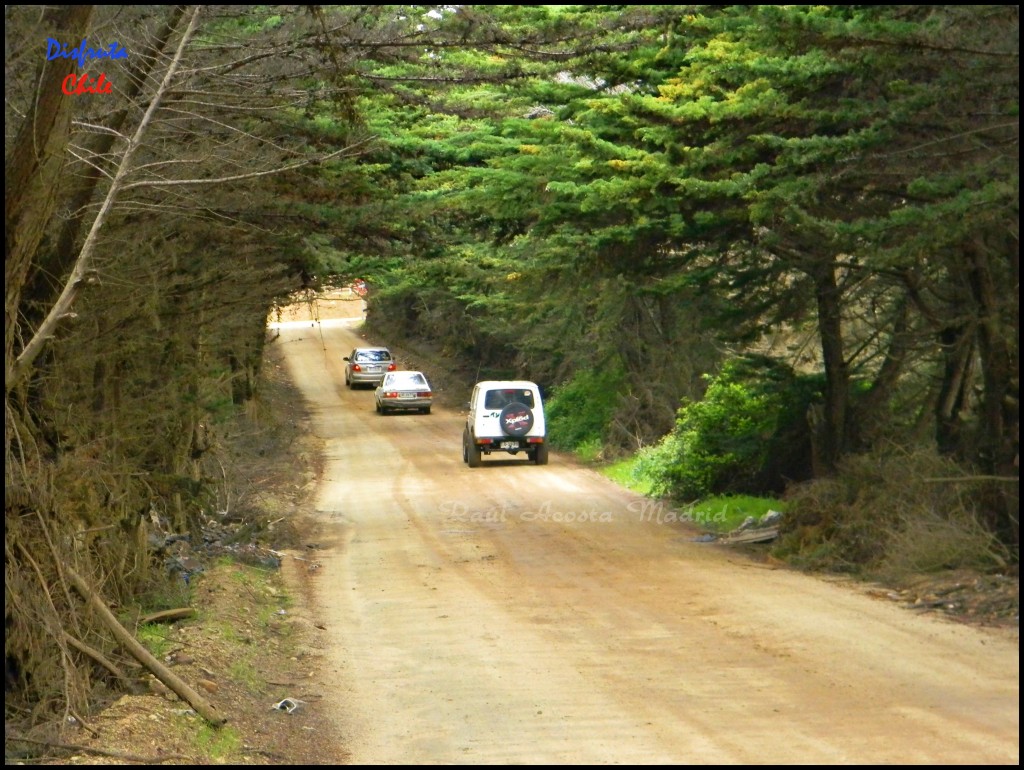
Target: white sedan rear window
x,y
407,380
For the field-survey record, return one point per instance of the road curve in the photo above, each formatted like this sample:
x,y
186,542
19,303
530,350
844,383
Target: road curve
x,y
518,614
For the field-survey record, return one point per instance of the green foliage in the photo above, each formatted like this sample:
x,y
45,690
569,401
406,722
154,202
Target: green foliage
x,y
624,473
718,513
714,439
578,412
730,440
590,451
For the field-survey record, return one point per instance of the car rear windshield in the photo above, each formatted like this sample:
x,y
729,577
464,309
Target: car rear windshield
x,y
372,355
499,399
407,380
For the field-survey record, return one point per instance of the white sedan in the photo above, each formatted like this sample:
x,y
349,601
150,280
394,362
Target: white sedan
x,y
403,390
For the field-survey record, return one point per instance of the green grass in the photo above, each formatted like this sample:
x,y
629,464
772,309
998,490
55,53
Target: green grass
x,y
245,673
623,473
153,636
219,743
724,514
589,451
717,514
165,593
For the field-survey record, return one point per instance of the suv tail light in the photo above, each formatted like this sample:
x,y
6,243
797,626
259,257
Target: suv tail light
x,y
391,367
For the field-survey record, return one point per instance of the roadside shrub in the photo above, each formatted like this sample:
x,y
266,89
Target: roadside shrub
x,y
578,412
746,436
624,473
932,541
887,515
590,451
653,464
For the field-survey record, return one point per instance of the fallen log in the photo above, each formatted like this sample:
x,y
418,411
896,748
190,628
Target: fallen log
x,y
202,706
98,657
136,758
751,536
168,616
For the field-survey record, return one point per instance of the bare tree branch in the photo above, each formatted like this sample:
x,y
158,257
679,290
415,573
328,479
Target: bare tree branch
x,y
19,369
350,150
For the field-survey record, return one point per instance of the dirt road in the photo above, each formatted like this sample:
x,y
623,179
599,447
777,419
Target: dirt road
x,y
533,615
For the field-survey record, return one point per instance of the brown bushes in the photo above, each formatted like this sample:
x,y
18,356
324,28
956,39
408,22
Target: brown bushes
x,y
890,514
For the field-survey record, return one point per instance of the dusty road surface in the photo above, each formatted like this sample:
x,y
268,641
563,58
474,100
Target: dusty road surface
x,y
531,615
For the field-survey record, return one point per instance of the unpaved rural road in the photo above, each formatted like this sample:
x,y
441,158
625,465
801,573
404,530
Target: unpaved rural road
x,y
535,615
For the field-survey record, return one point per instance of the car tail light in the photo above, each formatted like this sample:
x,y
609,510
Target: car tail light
x,y
424,394
391,394
356,368
391,367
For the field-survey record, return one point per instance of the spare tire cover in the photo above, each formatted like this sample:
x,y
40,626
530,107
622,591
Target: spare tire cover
x,y
516,419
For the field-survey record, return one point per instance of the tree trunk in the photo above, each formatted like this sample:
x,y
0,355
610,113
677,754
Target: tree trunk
x,y
870,413
1000,405
831,439
202,706
18,369
957,379
32,171
56,262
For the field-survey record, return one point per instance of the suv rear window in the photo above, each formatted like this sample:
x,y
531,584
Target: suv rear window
x,y
499,399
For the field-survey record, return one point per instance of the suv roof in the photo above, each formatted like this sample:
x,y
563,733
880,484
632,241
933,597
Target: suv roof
x,y
489,384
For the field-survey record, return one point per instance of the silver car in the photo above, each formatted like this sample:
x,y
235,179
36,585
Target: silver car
x,y
367,366
403,390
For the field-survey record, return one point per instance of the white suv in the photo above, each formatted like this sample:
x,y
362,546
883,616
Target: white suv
x,y
505,416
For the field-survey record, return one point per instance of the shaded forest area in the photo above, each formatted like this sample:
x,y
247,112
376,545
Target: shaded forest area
x,y
818,204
